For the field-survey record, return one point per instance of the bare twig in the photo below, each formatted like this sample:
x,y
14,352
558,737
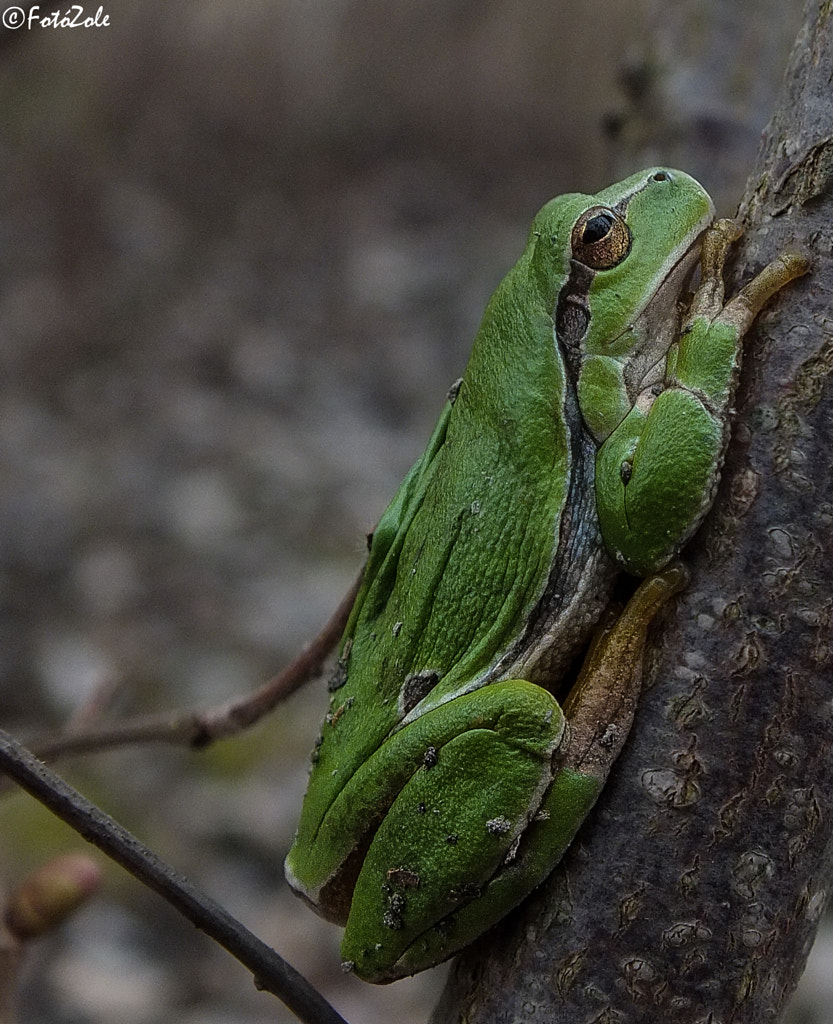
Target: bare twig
x,y
271,972
200,727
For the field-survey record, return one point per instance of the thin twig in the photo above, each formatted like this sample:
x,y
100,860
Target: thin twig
x,y
201,727
271,972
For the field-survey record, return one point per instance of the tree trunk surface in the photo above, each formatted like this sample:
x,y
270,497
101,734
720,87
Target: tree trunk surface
x,y
694,891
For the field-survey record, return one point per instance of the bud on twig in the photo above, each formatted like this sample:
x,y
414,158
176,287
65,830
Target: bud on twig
x,y
50,894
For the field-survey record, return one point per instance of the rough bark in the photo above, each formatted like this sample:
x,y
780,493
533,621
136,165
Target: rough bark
x,y
694,891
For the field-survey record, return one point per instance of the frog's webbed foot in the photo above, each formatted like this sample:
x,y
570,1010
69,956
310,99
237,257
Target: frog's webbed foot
x,y
602,703
741,310
745,306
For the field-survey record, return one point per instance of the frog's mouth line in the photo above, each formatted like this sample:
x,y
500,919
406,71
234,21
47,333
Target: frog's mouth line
x,y
671,269
656,325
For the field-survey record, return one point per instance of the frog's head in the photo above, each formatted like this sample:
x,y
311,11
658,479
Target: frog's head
x,y
623,258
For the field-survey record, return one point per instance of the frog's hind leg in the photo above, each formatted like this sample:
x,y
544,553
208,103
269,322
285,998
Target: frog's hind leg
x,y
483,819
599,712
482,764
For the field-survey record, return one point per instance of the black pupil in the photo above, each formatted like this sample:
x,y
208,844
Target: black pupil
x,y
597,228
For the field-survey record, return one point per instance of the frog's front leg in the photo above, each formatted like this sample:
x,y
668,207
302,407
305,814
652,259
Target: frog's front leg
x,y
657,472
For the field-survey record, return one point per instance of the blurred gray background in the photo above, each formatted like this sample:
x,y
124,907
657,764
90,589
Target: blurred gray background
x,y
243,251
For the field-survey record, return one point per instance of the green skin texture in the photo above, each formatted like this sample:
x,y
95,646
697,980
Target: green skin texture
x,y
443,797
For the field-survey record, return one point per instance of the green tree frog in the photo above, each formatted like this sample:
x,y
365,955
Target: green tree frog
x,y
585,438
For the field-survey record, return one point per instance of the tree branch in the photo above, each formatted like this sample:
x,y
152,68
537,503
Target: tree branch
x,y
201,727
271,972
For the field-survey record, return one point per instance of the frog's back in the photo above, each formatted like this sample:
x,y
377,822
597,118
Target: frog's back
x,y
458,591
475,539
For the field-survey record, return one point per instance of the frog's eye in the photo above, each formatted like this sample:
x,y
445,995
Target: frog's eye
x,y
600,238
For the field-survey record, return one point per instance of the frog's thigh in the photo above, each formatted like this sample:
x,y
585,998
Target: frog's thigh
x,y
451,828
